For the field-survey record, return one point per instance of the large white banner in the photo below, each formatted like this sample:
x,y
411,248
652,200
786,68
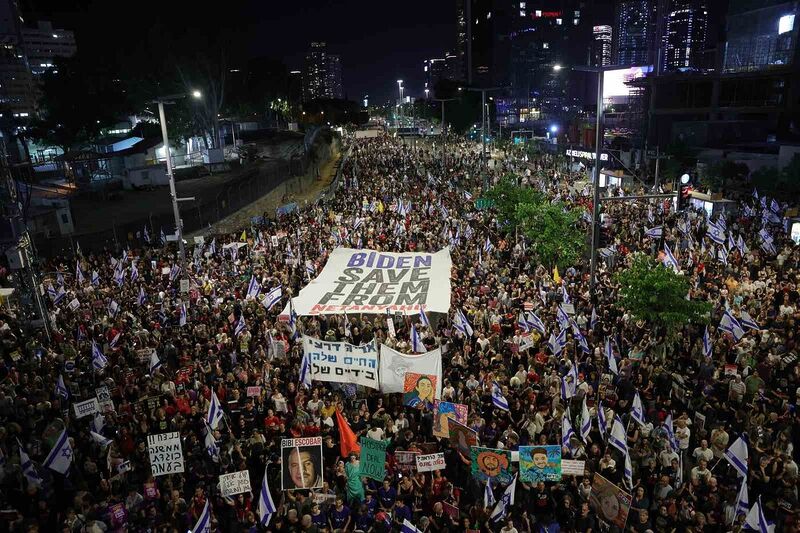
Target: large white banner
x,y
341,362
366,281
394,366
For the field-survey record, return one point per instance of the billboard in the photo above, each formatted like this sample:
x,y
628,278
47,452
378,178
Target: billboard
x,y
614,82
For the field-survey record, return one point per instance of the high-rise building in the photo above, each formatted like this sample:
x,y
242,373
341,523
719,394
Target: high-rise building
x,y
322,77
601,45
684,39
43,44
761,35
634,33
435,70
17,94
458,63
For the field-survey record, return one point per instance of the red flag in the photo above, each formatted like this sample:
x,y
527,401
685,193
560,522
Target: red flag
x,y
349,442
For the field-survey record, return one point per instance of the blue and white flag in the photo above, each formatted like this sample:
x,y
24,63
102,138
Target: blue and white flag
x,y
602,424
506,501
416,341
562,317
736,455
650,217
553,344
593,319
461,324
408,527
584,345
203,524
28,468
98,423
617,438
488,246
423,318
174,271
272,297
99,361
627,470
564,294
654,233
722,255
716,233
266,507
61,389
488,495
142,297
305,371
60,278
708,346
669,259
60,457
775,206
566,432
146,235
586,420
163,237
155,362
769,247
567,388
498,399
78,272
240,325
756,520
668,427
215,414
212,448
100,439
637,409
115,340
60,294
95,278
182,317
742,500
467,195
612,362
295,333
253,288
535,322
134,271
748,322
729,324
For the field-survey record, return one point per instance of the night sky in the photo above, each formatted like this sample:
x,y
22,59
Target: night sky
x,y
379,42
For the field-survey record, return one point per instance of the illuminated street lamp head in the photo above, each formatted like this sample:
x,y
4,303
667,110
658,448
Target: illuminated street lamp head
x,y
557,67
553,128
399,82
197,94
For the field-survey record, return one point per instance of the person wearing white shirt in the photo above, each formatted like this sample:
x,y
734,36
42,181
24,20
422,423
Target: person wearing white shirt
x,y
682,434
666,456
703,452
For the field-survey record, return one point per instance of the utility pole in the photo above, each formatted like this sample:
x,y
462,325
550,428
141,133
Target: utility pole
x,y
483,129
442,135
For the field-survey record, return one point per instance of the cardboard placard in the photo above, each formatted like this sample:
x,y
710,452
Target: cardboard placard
x,y
86,408
166,454
430,462
234,483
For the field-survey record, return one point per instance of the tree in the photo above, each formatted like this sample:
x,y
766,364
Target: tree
x,y
784,184
724,173
507,197
555,234
652,292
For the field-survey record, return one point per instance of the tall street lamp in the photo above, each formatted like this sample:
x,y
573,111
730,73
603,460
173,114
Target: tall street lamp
x,y
173,195
443,100
483,128
400,89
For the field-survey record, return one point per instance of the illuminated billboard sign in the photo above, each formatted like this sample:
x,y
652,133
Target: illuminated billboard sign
x,y
614,81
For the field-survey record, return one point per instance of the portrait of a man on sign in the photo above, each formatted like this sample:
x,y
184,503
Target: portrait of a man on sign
x,y
540,463
419,390
301,466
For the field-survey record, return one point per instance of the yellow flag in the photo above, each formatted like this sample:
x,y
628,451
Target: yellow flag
x,y
380,206
556,277
243,238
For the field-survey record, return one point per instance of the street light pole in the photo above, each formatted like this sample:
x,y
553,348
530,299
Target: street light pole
x,y
483,126
596,198
443,100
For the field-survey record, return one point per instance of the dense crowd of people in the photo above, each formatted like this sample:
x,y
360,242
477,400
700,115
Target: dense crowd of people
x,y
164,352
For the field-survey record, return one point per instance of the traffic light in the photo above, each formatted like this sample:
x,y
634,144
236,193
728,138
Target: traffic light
x,y
684,188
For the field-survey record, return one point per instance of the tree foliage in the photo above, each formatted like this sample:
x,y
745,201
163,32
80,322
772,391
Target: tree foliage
x,y
554,231
725,173
783,184
507,197
649,291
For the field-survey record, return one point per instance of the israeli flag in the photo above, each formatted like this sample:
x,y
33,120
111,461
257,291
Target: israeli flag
x,y
99,361
211,444
522,323
722,255
736,455
498,399
155,362
768,247
253,288
203,524
305,371
756,520
311,270
563,318
602,424
98,423
60,294
748,322
416,341
461,324
612,362
78,272
215,413
134,271
669,259
95,278
423,318
115,340
740,245
716,233
488,495
357,224
488,246
146,235
60,278
729,324
163,237
182,317
240,325
61,389
51,291
293,321
637,409
561,340
617,438
564,294
742,500
593,319
141,298
566,432
408,527
213,248
654,233
774,206
628,470
552,343
272,297
668,427
567,389
174,272
707,344
266,507
506,501
535,322
650,217
586,421
28,468
100,439
580,338
60,457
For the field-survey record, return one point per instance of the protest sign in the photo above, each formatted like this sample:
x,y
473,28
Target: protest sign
x,y
540,463
301,463
570,467
450,510
234,483
430,462
373,458
444,411
341,362
366,281
462,438
89,407
419,390
488,463
253,391
166,454
611,503
406,461
395,365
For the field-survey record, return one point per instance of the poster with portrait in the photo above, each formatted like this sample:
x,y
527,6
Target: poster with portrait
x,y
444,411
491,464
540,463
611,503
419,390
301,463
461,437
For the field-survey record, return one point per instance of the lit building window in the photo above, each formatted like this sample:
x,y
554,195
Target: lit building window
x,y
538,13
785,24
558,22
545,45
522,5
521,12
